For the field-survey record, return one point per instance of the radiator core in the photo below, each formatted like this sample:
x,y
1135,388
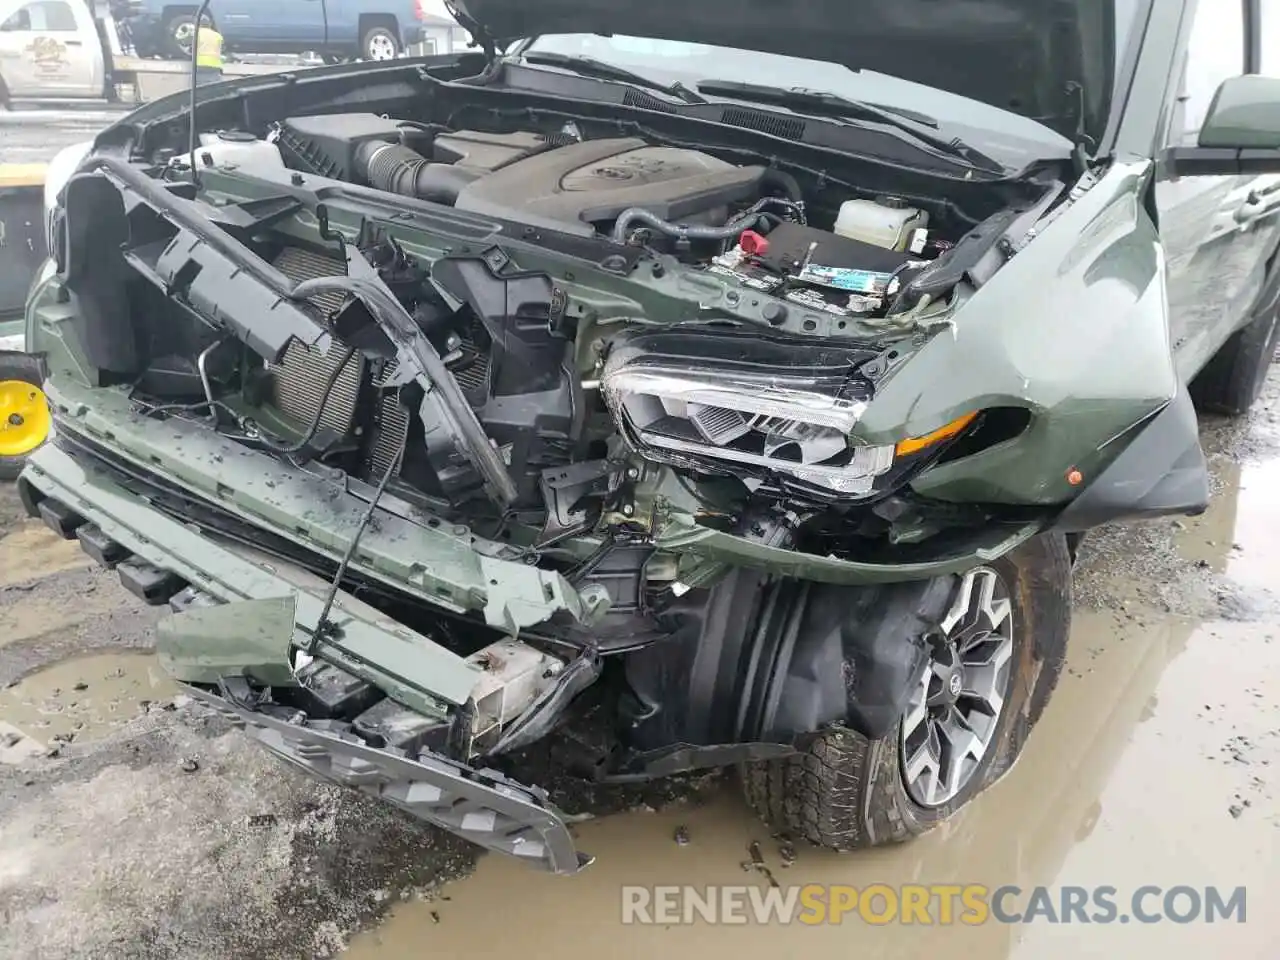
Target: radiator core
x,y
298,381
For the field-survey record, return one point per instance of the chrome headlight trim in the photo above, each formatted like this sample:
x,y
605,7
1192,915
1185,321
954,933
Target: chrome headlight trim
x,y
720,408
744,394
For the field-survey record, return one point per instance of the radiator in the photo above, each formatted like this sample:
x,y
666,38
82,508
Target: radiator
x,y
390,431
298,381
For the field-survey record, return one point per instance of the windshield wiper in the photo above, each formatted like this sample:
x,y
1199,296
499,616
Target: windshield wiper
x,y
591,67
834,105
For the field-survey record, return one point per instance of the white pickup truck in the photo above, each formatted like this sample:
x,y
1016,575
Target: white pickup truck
x,y
57,50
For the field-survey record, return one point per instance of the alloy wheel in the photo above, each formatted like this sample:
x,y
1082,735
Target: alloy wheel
x,y
955,707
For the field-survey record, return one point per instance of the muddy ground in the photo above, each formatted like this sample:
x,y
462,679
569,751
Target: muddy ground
x,y
134,826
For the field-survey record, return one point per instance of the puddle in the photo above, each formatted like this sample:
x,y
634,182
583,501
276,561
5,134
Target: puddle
x,y
33,551
87,697
1236,541
1257,558
1210,540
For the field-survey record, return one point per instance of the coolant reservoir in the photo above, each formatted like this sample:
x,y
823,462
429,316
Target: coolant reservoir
x,y
885,221
232,146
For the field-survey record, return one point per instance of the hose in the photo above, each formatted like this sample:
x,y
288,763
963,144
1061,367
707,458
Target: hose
x,y
395,168
785,182
683,231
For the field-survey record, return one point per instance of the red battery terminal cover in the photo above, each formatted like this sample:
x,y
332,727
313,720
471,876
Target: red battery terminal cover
x,y
753,244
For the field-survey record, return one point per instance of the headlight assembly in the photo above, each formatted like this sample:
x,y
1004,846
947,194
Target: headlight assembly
x,y
777,407
770,424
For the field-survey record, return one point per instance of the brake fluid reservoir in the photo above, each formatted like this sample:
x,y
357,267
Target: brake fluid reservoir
x,y
885,221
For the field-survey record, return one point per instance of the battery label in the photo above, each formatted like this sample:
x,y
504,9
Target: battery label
x,y
842,278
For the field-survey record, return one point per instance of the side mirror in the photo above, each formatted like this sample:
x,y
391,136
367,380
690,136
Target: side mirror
x,y
1241,133
1244,115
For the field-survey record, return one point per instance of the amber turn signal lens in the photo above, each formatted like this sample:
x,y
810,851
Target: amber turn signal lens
x,y
916,444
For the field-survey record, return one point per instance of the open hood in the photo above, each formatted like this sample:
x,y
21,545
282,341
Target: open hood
x,y
1051,60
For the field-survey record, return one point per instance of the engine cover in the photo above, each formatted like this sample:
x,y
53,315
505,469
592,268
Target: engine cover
x,y
586,184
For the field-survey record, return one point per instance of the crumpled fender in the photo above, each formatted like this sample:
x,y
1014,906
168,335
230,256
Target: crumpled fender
x,y
1073,329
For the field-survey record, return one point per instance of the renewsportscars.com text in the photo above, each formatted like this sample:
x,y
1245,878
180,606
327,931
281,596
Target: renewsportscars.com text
x,y
930,904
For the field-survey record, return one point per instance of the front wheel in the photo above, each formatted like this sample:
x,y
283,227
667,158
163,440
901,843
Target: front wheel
x,y
179,34
1232,379
379,43
995,657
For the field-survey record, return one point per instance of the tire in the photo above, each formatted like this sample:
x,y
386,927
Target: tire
x,y
1074,542
173,27
1232,380
846,792
376,42
17,371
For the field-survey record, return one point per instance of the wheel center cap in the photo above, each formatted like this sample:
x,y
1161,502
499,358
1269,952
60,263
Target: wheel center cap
x,y
955,685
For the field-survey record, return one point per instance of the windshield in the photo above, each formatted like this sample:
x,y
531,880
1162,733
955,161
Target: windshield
x,y
1013,139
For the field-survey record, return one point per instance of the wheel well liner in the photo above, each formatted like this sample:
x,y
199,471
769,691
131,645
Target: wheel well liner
x,y
770,660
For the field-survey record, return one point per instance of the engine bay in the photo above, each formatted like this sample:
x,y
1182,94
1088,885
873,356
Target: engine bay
x,y
748,222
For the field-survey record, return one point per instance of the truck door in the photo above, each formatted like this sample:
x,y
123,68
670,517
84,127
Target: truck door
x,y
1218,231
49,48
288,26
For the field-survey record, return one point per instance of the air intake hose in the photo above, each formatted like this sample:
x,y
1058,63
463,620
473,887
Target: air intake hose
x,y
396,168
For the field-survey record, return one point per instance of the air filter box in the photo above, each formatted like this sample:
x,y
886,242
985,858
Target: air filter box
x,y
326,144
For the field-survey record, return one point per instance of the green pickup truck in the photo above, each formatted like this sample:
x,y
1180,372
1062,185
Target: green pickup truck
x,y
688,385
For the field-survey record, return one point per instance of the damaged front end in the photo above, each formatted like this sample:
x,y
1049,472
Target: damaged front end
x,y
438,439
